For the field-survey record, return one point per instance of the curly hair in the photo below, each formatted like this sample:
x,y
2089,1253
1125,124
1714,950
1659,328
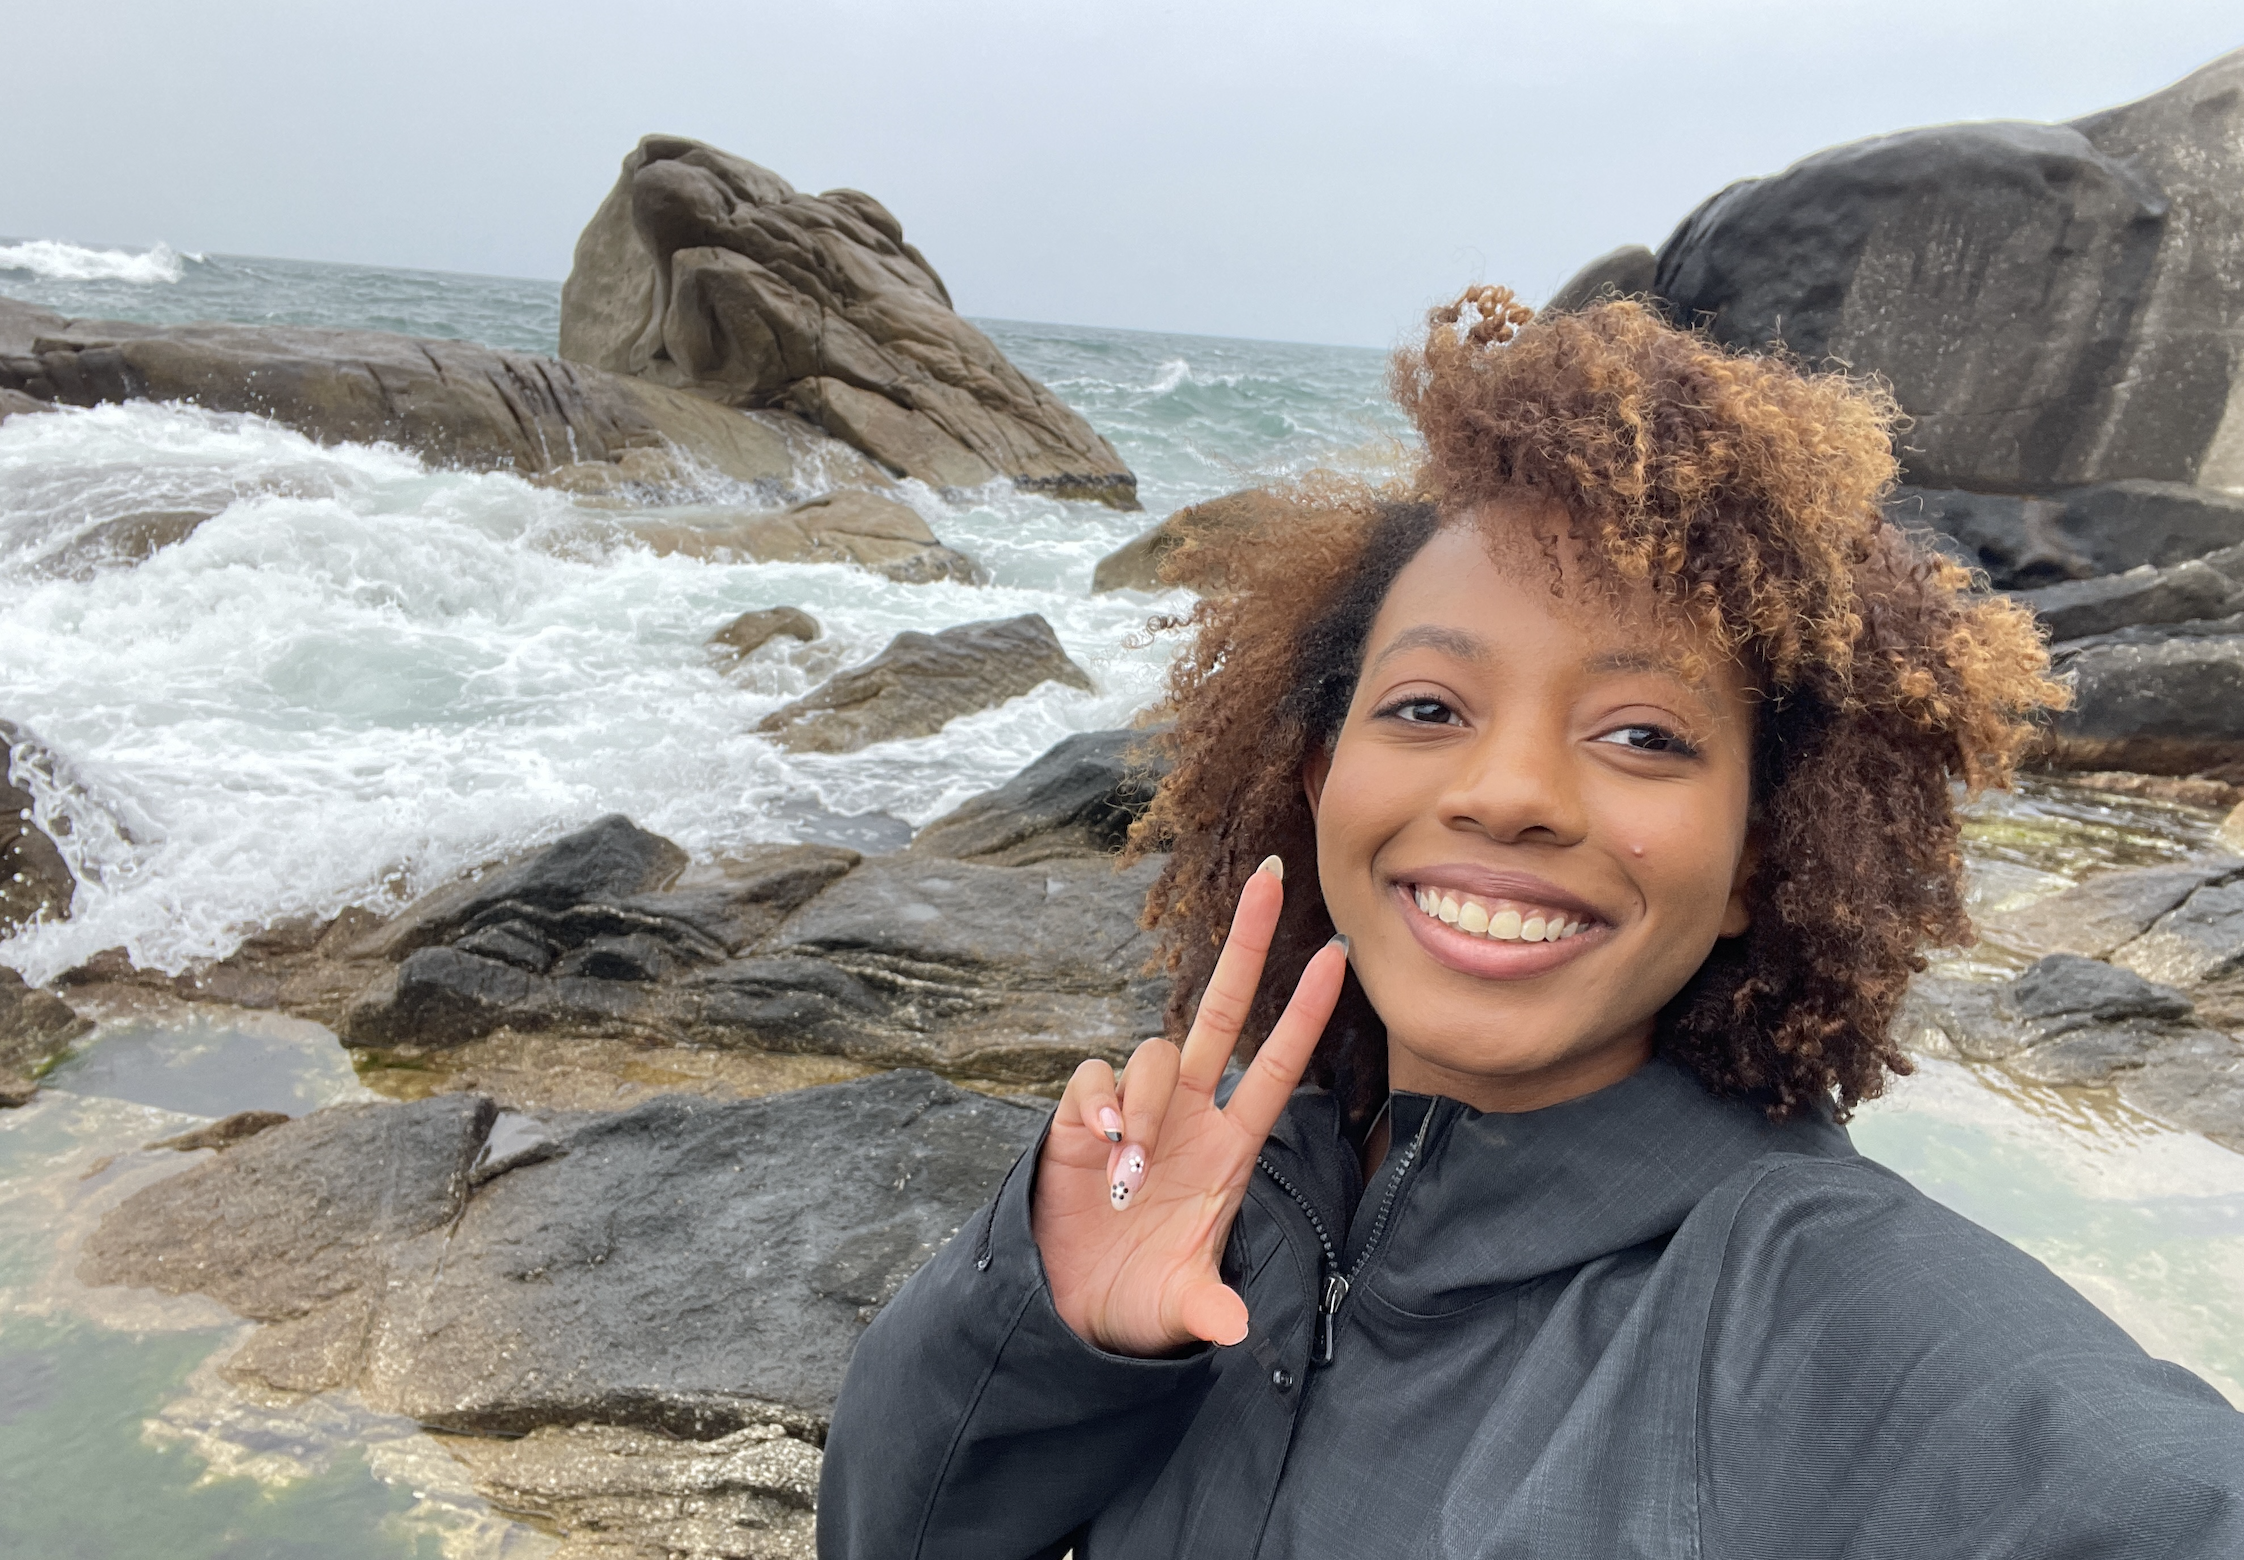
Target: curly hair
x,y
1745,493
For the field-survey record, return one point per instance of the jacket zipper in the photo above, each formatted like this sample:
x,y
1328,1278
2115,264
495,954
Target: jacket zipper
x,y
1335,1286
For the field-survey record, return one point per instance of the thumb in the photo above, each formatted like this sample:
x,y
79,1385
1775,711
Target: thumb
x,y
1213,1311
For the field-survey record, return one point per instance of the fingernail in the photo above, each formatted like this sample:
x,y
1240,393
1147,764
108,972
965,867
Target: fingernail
x,y
1129,1175
1110,1122
1340,941
1273,866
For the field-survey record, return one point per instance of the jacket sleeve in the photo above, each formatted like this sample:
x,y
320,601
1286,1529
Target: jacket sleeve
x,y
974,1423
1884,1377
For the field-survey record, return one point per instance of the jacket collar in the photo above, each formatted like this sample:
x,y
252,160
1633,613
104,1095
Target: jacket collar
x,y
1495,1199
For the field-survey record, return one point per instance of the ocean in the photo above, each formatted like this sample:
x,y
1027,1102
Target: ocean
x,y
364,676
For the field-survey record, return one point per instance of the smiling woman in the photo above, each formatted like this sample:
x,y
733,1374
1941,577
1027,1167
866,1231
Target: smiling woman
x,y
1623,750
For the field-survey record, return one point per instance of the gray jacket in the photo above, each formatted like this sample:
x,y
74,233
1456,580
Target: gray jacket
x,y
1646,1322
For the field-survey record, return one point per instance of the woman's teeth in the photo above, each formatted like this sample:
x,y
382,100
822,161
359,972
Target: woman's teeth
x,y
1468,914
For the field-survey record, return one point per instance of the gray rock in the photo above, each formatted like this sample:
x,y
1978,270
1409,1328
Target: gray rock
x,y
2109,910
35,881
703,271
2195,1083
225,1132
515,1140
2053,305
763,1234
1954,1019
751,631
299,1217
36,1028
2063,992
2172,705
22,324
1627,272
2021,543
14,403
2178,594
995,972
2200,940
846,526
1079,798
122,542
1141,562
922,682
453,402
2125,524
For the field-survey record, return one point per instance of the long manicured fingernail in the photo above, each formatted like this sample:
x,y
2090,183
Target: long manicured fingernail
x,y
1273,866
1129,1175
1340,941
1110,1122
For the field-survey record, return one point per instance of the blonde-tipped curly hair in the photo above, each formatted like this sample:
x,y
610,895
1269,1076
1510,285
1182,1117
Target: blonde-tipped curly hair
x,y
1745,493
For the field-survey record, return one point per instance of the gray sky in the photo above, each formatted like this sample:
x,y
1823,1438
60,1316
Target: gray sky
x,y
1311,171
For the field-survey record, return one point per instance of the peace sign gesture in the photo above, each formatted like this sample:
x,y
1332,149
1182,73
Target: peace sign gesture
x,y
1138,1183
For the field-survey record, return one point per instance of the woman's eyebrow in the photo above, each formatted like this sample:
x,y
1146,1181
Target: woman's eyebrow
x,y
1427,636
1612,661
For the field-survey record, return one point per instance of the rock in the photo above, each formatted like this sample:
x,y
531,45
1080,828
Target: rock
x,y
2065,991
751,631
841,527
2201,939
690,1267
302,1216
703,271
2096,917
922,682
995,972
13,402
516,1140
2125,524
2027,543
36,1027
625,1494
452,402
225,1132
609,859
2186,790
2165,706
2020,542
22,324
584,950
35,881
126,540
2054,305
1137,563
1078,799
1627,272
2142,595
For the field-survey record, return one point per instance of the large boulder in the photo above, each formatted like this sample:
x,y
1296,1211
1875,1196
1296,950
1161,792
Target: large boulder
x,y
36,1027
35,882
1627,272
2158,702
703,271
2053,305
690,1267
1078,799
922,682
845,526
453,402
2187,592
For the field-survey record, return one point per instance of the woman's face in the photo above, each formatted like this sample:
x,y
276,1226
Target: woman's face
x,y
1532,827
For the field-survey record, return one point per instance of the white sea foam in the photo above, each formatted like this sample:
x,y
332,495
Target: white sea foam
x,y
362,676
52,260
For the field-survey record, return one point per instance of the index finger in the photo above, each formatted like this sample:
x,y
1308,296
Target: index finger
x,y
1224,1006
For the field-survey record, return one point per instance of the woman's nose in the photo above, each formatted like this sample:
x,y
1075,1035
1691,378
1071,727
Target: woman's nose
x,y
1517,783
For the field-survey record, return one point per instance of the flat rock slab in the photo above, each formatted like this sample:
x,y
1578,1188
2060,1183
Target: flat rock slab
x,y
2169,706
2096,917
922,682
846,526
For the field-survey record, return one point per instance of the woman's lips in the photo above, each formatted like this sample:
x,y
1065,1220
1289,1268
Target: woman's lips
x,y
1499,957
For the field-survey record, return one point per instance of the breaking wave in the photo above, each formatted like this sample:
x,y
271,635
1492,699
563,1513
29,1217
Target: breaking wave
x,y
51,260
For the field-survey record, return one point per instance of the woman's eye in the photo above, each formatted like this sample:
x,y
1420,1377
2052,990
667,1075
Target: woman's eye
x,y
1649,739
1422,712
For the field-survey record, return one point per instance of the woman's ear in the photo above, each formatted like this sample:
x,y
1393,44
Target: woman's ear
x,y
1314,769
1737,914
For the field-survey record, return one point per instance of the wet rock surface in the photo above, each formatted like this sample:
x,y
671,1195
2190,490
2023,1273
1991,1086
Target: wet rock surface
x,y
36,1027
922,682
35,881
1140,563
847,526
703,271
1079,799
516,1301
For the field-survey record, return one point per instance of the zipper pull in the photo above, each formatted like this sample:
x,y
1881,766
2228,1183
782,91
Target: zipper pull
x,y
1336,1290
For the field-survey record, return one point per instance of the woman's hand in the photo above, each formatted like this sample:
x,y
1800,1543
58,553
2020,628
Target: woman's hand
x,y
1137,1186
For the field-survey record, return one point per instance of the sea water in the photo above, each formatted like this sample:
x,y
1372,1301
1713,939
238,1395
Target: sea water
x,y
362,676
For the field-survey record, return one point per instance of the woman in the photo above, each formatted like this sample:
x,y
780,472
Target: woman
x,y
1584,815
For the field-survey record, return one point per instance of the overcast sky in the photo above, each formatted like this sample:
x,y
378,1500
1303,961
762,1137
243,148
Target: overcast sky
x,y
1306,171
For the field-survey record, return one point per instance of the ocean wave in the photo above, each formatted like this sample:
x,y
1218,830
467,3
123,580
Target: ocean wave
x,y
52,260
